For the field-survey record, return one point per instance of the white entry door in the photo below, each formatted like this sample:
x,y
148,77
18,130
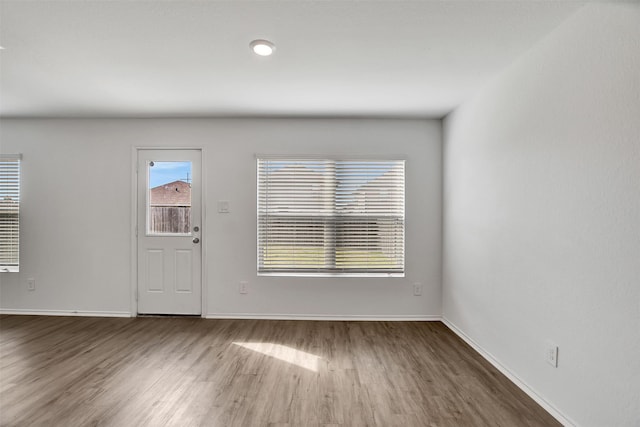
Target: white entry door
x,y
169,232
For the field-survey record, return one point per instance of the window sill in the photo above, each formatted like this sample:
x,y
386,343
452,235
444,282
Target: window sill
x,y
9,269
308,274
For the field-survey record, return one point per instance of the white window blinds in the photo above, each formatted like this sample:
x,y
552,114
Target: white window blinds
x,y
330,216
9,212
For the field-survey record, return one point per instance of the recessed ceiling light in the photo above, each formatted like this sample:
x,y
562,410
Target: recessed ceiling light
x,y
262,47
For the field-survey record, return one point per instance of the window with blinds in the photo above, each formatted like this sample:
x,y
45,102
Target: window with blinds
x,y
321,216
9,212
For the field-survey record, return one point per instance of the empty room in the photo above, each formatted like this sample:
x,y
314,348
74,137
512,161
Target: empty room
x,y
319,213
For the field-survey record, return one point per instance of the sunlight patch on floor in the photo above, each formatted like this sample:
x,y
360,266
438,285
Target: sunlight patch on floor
x,y
282,352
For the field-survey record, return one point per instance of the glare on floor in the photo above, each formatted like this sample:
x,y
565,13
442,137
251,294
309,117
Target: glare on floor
x,y
282,352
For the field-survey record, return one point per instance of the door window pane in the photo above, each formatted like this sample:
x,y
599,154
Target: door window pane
x,y
169,198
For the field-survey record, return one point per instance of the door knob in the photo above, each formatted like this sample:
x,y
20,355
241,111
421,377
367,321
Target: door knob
x,y
196,240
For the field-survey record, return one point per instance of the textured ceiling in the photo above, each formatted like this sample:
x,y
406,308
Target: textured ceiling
x,y
191,58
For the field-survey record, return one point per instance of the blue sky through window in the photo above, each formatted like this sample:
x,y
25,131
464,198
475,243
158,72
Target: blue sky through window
x,y
165,172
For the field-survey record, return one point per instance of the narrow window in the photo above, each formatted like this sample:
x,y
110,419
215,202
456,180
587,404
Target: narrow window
x,y
331,217
9,213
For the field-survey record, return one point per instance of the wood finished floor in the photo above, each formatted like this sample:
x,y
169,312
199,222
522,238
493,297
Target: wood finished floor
x,y
72,371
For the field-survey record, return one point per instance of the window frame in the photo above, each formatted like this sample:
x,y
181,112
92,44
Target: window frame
x,y
14,161
324,271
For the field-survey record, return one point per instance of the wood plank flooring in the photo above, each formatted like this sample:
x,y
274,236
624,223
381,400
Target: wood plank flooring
x,y
73,371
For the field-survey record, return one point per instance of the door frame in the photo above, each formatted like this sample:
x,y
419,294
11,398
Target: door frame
x,y
133,279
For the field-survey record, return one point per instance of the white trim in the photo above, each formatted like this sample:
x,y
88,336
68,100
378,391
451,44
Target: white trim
x,y
134,238
327,274
555,412
352,157
338,317
81,313
204,271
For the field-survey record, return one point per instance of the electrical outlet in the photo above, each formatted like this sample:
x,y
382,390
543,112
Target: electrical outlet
x,y
551,354
417,289
31,284
243,288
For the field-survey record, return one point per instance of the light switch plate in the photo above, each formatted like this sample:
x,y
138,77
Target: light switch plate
x,y
223,206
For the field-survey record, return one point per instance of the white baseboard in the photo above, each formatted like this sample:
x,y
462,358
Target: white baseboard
x,y
80,313
373,318
563,419
355,317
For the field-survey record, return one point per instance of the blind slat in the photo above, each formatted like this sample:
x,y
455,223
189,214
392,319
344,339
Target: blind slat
x,y
328,216
9,210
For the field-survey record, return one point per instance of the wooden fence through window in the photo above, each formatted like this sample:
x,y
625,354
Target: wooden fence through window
x,y
170,219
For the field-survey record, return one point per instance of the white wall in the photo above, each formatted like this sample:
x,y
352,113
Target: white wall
x,y
76,213
542,217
